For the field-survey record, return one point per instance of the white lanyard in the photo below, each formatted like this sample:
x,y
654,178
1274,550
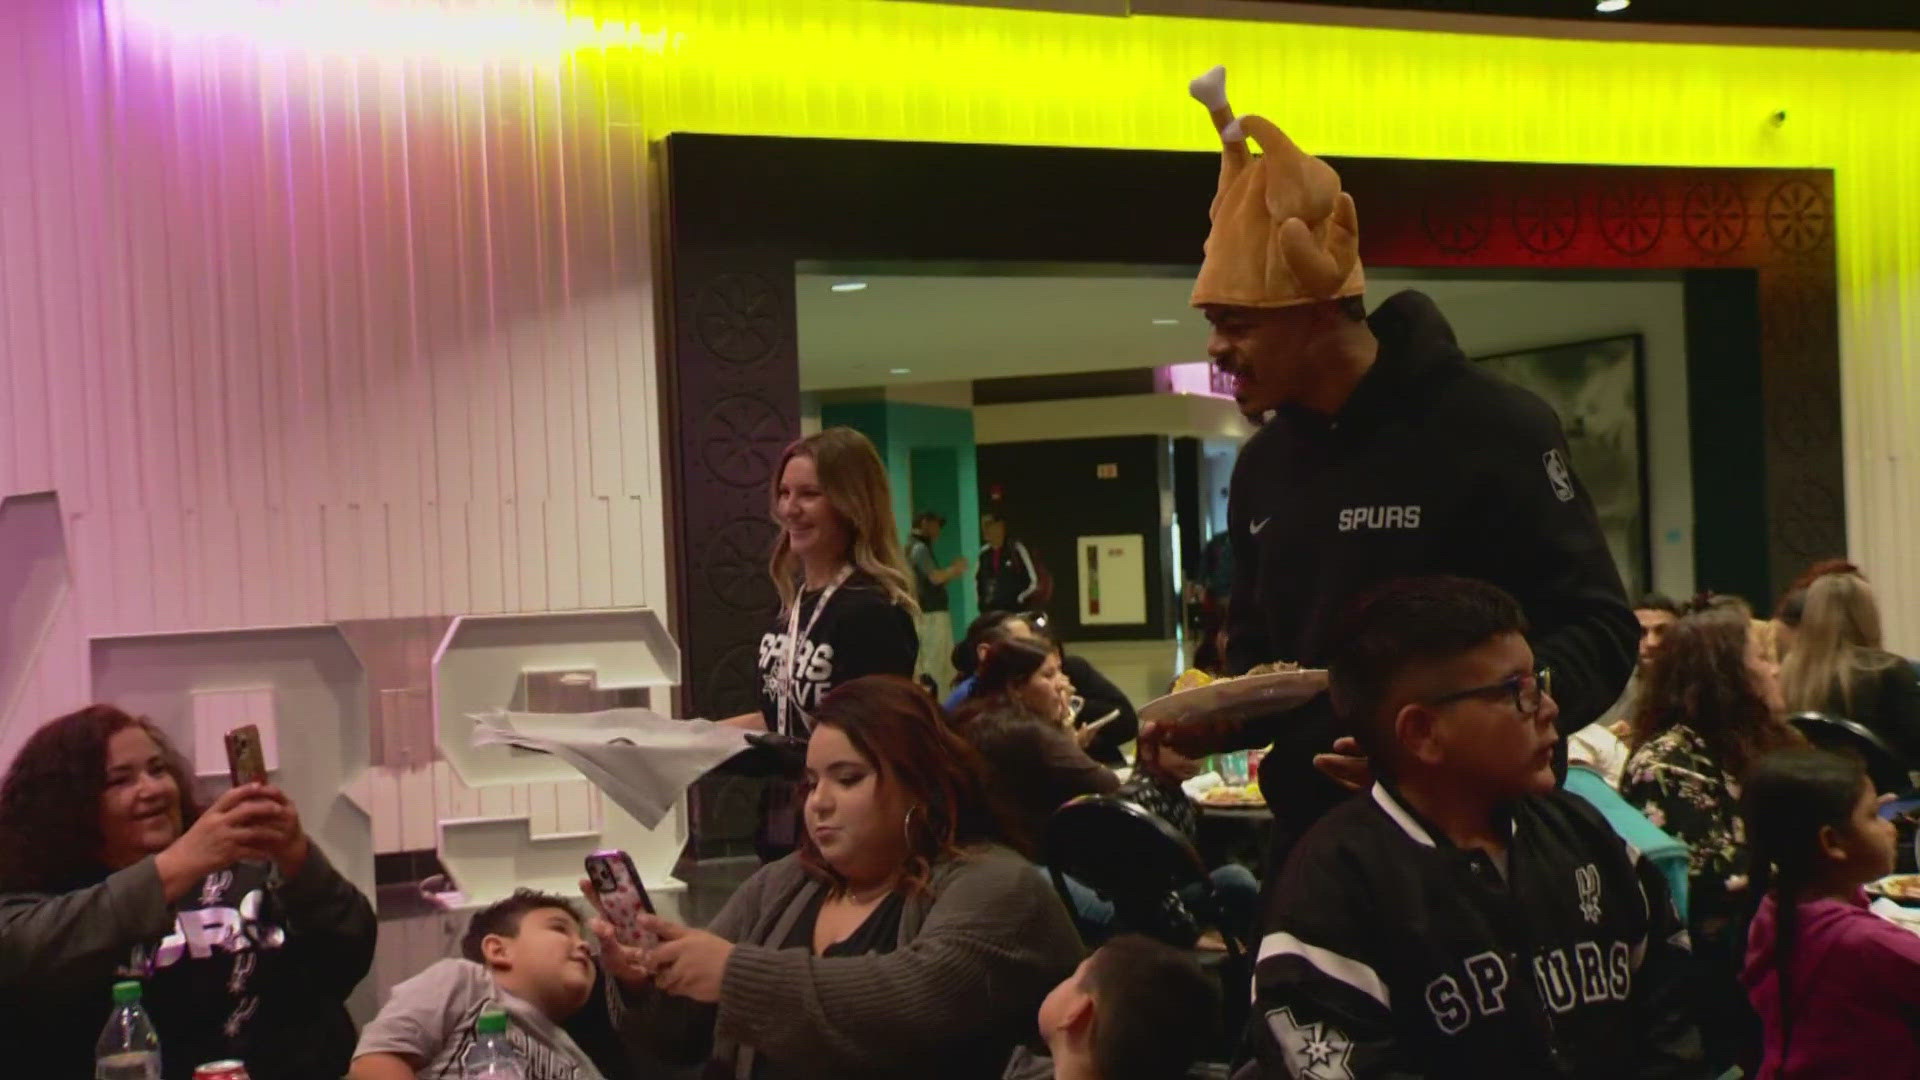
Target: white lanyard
x,y
790,686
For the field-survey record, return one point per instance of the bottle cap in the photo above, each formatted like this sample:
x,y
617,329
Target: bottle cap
x,y
492,1022
126,993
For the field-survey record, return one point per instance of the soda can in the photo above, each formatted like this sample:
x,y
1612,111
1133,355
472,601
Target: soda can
x,y
221,1070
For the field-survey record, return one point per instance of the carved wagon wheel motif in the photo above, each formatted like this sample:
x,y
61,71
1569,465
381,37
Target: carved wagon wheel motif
x,y
1715,217
1632,219
1808,521
1798,218
1806,416
1456,222
734,564
741,440
737,318
732,684
1546,221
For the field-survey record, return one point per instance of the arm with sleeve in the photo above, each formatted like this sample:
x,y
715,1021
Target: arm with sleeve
x,y
994,941
330,926
1553,558
1319,1003
1027,569
1662,1002
422,1014
75,941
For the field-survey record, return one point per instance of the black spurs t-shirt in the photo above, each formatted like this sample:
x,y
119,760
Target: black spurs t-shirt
x,y
861,632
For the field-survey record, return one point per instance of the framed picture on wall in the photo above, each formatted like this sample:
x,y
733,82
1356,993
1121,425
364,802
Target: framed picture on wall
x,y
1595,387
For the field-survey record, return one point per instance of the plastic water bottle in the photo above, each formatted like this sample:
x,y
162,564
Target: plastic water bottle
x,y
128,1049
491,1057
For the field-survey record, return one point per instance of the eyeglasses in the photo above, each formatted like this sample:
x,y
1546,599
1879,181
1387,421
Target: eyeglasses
x,y
1528,691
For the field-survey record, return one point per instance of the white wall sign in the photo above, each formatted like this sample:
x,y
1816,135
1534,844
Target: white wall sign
x,y
1113,580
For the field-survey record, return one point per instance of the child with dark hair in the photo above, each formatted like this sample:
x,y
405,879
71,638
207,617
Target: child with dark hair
x,y
1836,986
1464,918
1134,1010
525,956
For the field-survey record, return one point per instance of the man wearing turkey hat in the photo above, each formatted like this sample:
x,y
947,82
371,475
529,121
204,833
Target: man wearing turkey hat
x,y
1385,455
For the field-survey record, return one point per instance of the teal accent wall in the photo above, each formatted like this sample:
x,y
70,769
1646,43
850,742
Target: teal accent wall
x,y
929,454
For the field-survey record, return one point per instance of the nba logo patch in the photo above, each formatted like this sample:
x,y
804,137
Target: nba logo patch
x,y
1558,474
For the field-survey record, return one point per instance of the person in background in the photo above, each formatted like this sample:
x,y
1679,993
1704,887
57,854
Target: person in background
x,y
1103,705
1007,577
1838,665
987,630
1836,986
525,955
847,606
902,939
247,939
1387,455
1601,745
1134,1010
1708,709
1793,603
930,581
1466,918
1019,720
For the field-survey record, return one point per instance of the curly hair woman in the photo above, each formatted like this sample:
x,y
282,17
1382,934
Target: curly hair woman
x,y
247,940
1709,708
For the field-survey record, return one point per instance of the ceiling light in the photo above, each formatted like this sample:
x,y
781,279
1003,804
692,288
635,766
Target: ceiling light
x,y
900,371
1166,322
849,286
1608,7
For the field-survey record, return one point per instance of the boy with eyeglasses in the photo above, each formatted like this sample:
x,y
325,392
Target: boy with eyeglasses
x,y
1464,918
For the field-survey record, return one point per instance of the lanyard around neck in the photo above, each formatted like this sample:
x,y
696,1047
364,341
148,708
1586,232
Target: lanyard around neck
x,y
790,686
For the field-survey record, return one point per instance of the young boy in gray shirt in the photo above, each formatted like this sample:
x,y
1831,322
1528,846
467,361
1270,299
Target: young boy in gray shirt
x,y
525,956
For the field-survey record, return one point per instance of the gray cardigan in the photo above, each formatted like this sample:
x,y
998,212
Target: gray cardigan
x,y
976,956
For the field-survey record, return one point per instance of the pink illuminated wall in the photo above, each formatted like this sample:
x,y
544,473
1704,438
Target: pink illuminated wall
x,y
301,339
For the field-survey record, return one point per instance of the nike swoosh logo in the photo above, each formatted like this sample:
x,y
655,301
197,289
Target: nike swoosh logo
x,y
1259,527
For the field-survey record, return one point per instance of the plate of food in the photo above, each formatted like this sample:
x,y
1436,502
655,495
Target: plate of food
x,y
1265,689
1904,888
1228,795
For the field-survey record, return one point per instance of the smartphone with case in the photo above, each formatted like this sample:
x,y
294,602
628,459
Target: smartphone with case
x,y
622,896
246,761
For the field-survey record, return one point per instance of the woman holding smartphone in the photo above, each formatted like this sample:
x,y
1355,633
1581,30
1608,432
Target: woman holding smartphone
x,y
903,938
846,598
246,939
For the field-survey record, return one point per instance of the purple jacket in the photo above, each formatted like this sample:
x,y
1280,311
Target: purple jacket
x,y
1855,992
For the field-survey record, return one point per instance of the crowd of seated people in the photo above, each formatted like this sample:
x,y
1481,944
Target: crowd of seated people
x,y
1461,915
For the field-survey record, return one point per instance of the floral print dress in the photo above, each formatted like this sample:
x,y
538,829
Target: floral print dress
x,y
1674,780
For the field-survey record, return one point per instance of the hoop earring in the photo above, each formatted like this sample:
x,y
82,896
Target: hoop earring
x,y
906,827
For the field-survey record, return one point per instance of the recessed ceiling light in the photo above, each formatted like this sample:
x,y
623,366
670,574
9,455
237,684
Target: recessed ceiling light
x,y
849,286
900,371
1608,7
1166,322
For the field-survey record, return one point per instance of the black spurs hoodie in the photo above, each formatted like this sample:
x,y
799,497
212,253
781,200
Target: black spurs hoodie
x,y
1433,466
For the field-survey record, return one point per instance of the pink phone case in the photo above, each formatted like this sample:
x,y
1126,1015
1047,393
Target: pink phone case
x,y
622,896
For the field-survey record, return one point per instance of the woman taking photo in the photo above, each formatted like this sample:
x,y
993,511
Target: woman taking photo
x,y
246,939
901,939
1838,666
1708,708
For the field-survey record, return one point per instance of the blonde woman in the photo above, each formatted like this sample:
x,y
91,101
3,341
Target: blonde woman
x,y
846,599
1838,666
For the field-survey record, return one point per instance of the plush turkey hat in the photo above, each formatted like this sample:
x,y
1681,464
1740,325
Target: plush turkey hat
x,y
1283,231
